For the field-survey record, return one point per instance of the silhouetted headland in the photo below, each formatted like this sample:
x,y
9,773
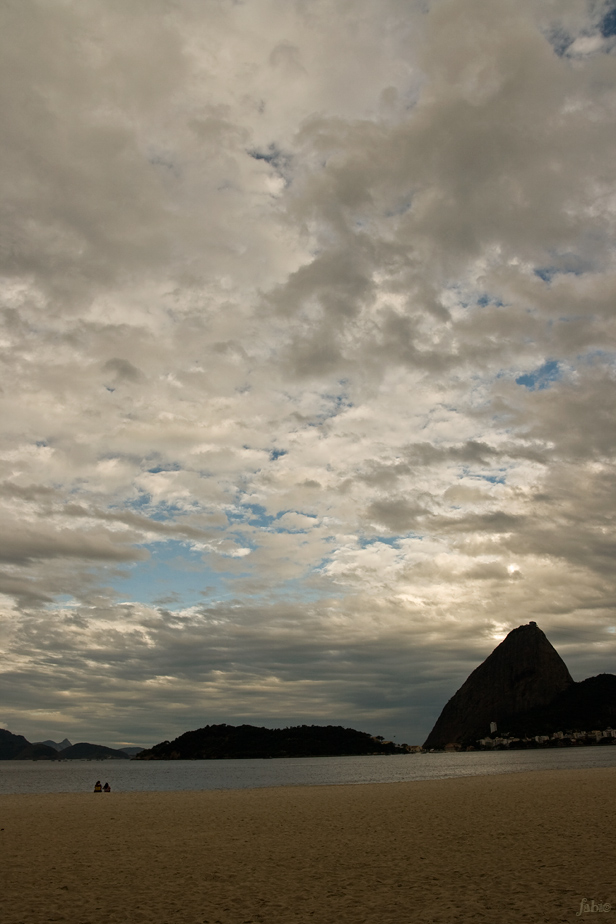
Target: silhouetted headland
x,y
524,692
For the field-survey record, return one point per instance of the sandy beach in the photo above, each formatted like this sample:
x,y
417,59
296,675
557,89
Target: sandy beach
x,y
526,847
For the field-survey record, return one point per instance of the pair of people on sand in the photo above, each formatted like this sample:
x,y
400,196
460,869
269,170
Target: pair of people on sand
x,y
99,788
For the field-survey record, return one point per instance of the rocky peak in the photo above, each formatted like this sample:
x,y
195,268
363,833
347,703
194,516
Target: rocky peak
x,y
524,672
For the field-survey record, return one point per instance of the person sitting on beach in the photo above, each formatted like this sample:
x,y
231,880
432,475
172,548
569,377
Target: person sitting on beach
x,y
98,787
106,788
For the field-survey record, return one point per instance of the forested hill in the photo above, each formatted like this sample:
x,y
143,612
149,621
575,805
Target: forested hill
x,y
244,741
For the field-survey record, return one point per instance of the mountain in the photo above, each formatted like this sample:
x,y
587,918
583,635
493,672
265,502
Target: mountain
x,y
57,746
584,706
523,673
131,751
11,745
37,751
215,742
16,747
85,751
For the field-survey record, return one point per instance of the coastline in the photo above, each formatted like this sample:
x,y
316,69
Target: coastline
x,y
185,775
520,847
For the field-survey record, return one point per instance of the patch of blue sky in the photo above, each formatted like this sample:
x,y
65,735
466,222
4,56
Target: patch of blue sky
x,y
608,23
541,378
365,541
559,39
493,479
168,511
484,300
340,401
252,514
498,476
468,298
262,520
175,575
598,357
279,160
333,406
270,155
161,511
143,500
562,264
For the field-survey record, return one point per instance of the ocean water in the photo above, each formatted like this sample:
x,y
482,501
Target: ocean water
x,y
25,776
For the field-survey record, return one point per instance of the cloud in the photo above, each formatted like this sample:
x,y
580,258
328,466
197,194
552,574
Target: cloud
x,y
307,356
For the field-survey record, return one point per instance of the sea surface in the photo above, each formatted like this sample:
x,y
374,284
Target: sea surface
x,y
27,776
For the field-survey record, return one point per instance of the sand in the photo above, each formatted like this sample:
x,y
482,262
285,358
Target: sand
x,y
524,847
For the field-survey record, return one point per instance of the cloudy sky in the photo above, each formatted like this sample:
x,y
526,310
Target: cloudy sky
x,y
308,356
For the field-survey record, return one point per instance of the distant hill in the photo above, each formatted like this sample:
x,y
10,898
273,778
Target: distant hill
x,y
58,746
11,745
16,747
524,686
131,751
216,742
38,751
85,751
584,706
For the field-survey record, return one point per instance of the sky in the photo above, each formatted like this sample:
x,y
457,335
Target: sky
x,y
308,357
